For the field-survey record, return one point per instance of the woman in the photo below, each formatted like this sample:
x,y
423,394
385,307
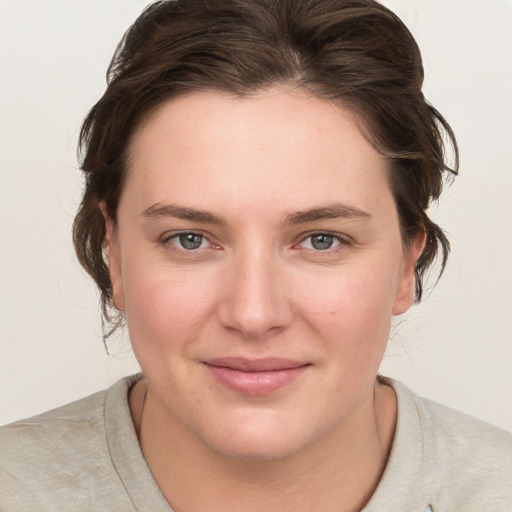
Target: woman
x,y
257,180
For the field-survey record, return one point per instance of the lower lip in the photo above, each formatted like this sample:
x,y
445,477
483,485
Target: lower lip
x,y
256,383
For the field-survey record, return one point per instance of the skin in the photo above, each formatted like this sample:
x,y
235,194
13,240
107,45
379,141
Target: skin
x,y
265,172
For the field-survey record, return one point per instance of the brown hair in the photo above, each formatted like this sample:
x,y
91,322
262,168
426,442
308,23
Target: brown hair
x,y
354,52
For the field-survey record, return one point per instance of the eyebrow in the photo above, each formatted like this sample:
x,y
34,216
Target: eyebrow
x,y
332,211
160,210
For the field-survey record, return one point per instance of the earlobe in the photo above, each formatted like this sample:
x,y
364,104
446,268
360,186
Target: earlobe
x,y
404,298
114,259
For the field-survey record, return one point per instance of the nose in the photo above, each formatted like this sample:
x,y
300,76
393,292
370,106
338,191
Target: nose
x,y
256,299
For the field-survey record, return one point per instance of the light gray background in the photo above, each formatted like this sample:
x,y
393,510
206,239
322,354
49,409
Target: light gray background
x,y
455,348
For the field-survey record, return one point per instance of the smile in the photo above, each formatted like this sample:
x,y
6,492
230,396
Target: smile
x,y
255,377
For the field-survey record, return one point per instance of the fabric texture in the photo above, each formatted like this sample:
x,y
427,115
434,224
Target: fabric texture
x,y
85,456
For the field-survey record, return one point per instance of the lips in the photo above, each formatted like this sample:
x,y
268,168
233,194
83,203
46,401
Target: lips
x,y
255,377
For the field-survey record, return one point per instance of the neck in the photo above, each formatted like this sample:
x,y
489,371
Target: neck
x,y
339,472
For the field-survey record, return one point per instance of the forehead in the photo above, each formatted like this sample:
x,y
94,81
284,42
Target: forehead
x,y
275,146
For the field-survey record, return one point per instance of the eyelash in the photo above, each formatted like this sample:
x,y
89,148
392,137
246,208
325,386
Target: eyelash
x,y
343,242
167,241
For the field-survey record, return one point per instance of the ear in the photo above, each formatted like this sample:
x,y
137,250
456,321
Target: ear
x,y
404,298
114,259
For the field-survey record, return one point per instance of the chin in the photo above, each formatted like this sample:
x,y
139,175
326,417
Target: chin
x,y
256,449
261,439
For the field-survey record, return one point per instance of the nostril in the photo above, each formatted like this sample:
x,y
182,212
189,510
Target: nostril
x,y
255,320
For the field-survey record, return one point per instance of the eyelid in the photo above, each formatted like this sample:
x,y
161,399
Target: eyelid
x,y
341,237
166,238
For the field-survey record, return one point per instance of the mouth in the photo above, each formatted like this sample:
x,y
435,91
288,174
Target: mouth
x,y
255,377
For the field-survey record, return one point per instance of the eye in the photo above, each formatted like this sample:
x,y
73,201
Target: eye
x,y
321,241
189,241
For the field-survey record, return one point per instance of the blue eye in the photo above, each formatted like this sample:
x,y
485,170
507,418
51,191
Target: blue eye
x,y
321,241
188,241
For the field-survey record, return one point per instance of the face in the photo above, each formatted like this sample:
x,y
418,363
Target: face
x,y
257,255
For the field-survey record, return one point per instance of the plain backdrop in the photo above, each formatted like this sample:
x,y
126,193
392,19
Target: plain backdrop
x,y
455,348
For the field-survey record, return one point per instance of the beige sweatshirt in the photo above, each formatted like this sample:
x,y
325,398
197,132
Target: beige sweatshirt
x,y
85,457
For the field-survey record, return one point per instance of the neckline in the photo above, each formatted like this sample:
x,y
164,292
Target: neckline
x,y
399,487
126,453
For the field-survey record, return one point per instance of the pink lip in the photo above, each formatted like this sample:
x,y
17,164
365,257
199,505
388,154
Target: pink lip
x,y
255,377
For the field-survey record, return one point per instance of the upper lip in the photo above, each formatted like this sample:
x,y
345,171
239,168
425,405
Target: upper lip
x,y
265,364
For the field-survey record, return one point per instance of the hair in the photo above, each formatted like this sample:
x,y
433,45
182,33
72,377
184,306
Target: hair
x,y
355,53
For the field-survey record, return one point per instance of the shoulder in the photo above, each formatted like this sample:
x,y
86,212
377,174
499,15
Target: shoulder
x,y
57,457
63,431
467,462
461,431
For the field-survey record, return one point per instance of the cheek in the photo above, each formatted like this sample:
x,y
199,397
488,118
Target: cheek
x,y
165,307
351,312
351,297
